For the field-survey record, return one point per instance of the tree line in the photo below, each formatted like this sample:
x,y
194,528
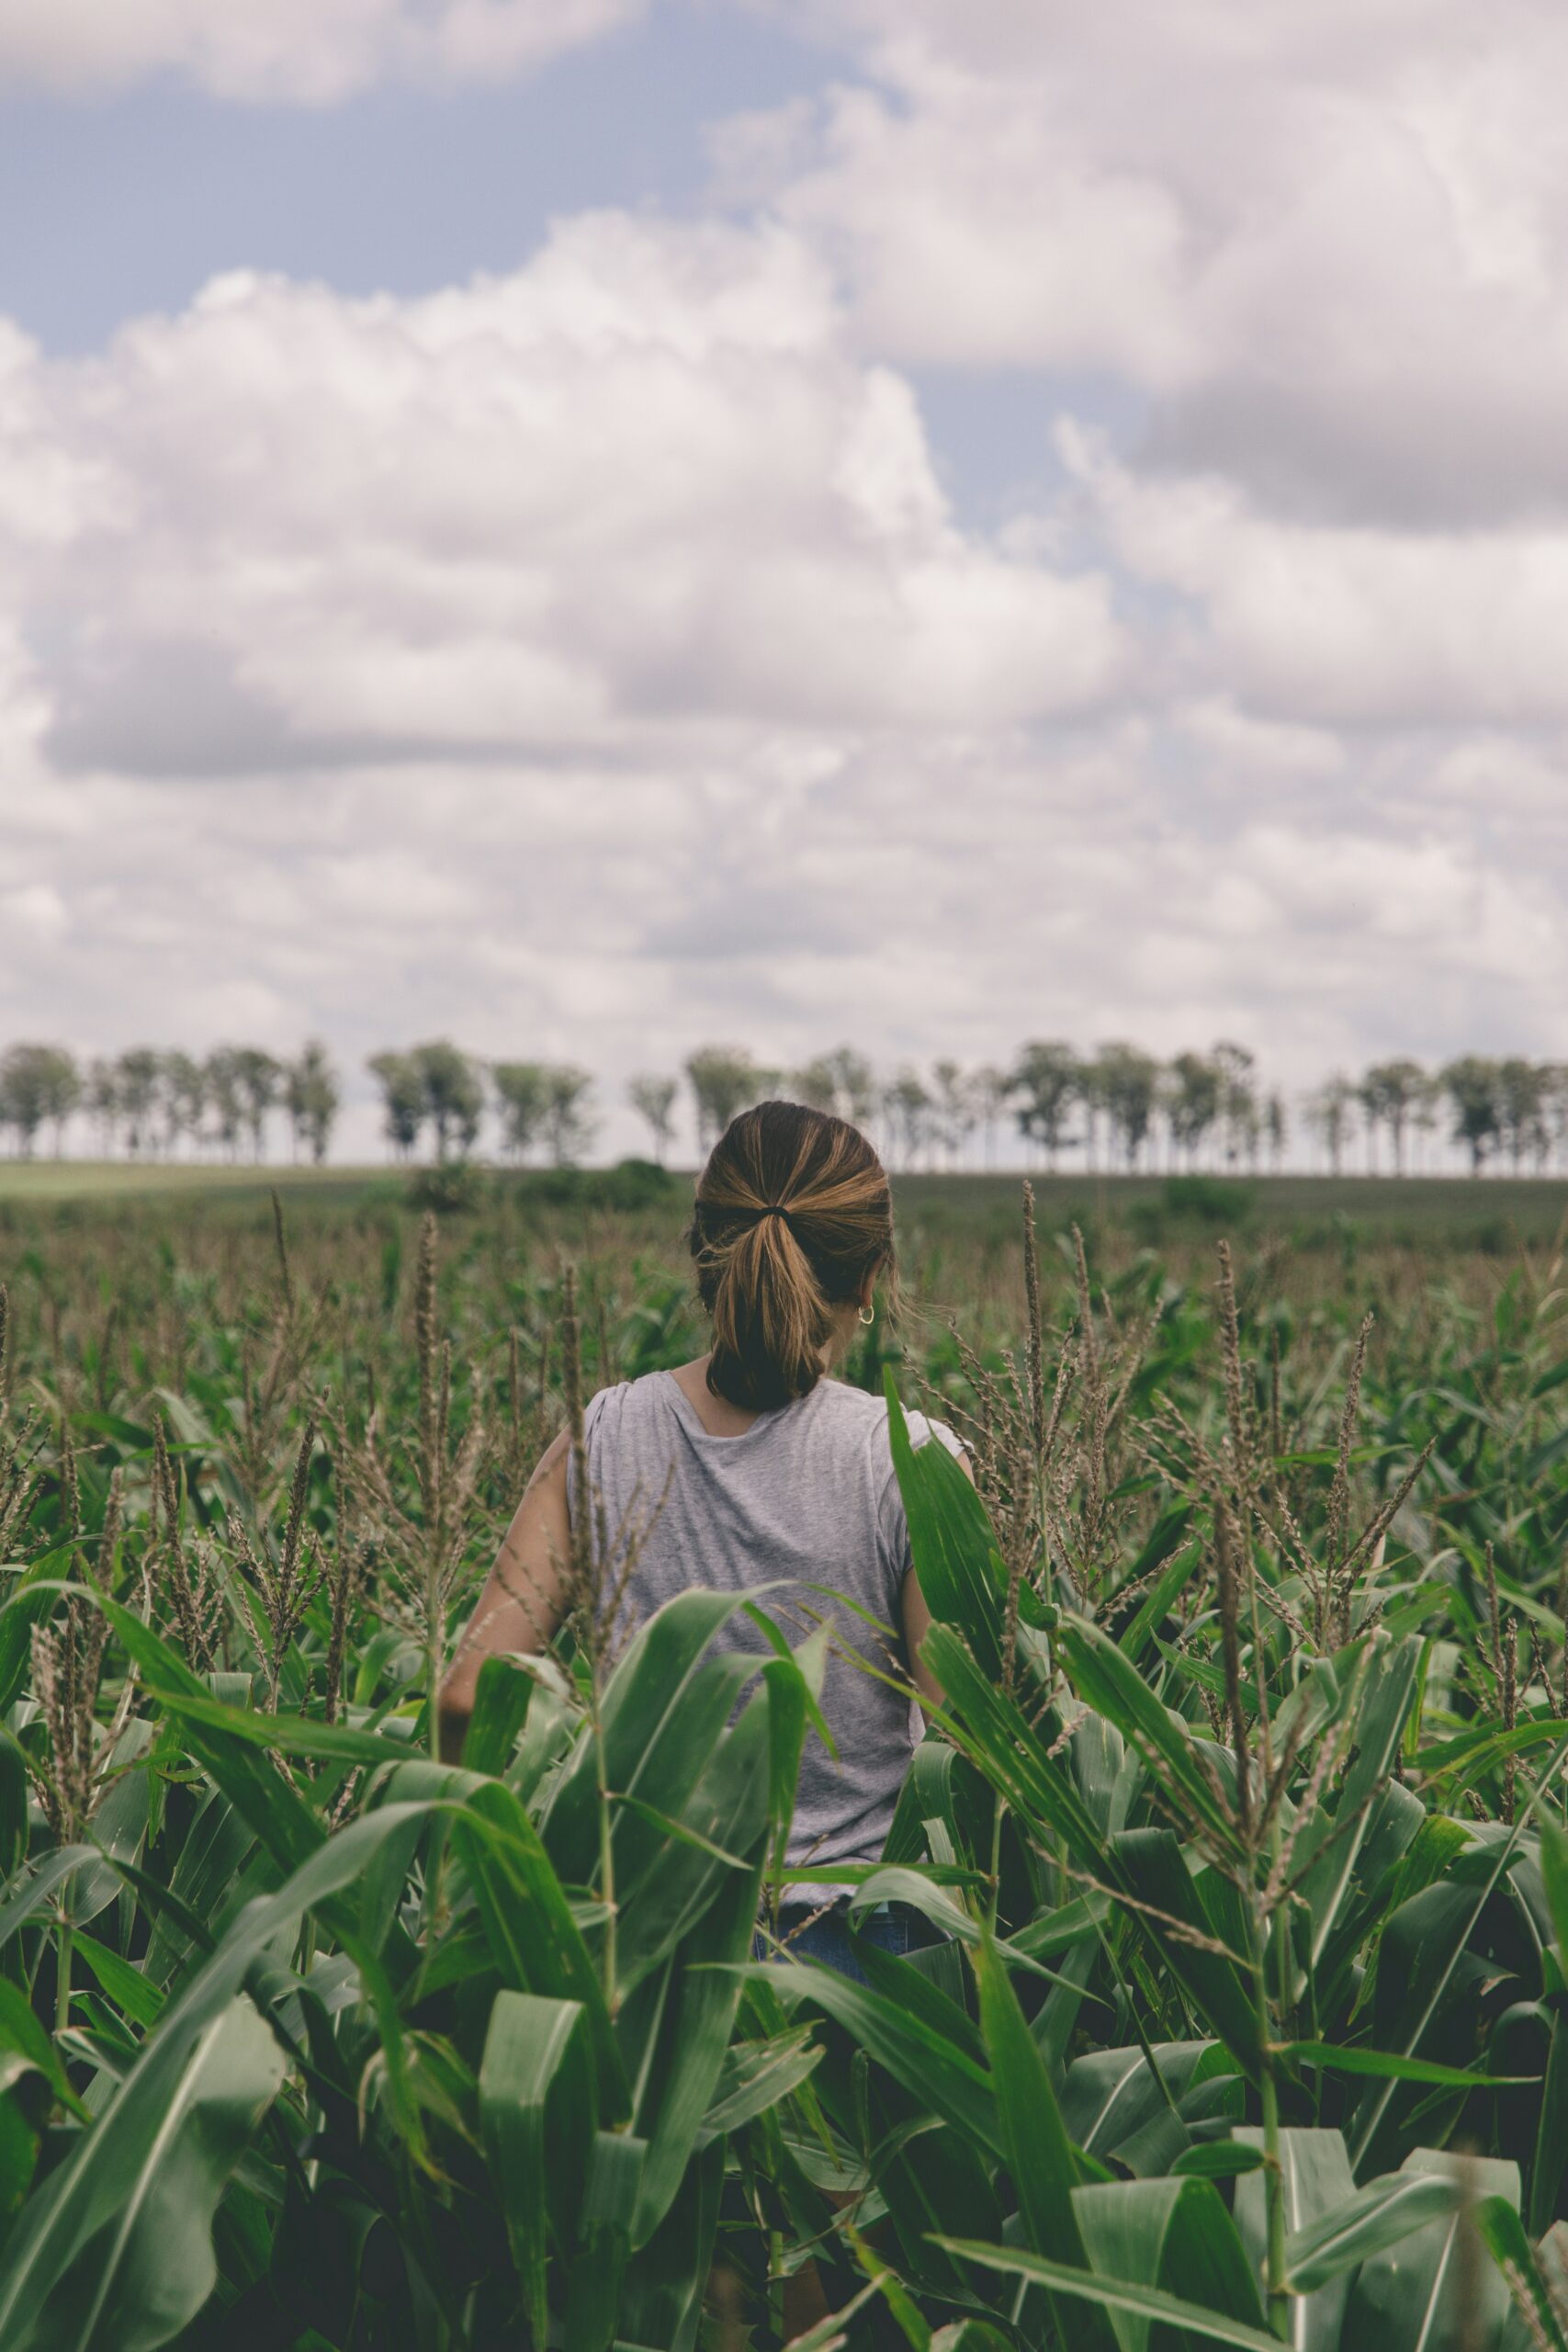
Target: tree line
x,y
146,1101
1117,1107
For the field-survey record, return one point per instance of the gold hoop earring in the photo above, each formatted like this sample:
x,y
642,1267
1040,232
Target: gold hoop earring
x,y
867,1315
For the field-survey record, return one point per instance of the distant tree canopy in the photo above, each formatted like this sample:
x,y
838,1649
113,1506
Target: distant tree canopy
x,y
653,1098
148,1099
39,1085
723,1080
1117,1106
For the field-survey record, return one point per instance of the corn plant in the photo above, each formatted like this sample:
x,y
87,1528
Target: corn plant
x,y
1239,1831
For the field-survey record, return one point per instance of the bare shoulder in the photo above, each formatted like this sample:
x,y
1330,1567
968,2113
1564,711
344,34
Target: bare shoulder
x,y
552,1463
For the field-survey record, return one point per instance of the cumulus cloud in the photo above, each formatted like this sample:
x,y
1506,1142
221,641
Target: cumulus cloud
x,y
1344,624
642,483
594,658
304,51
1325,240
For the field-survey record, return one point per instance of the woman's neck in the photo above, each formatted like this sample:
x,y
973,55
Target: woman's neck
x,y
717,1414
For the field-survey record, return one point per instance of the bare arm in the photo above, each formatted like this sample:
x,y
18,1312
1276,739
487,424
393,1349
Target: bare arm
x,y
524,1595
918,1621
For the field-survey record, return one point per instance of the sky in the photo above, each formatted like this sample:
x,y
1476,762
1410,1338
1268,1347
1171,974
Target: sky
x,y
589,526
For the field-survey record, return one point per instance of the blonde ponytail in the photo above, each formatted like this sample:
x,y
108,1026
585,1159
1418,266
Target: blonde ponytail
x,y
792,1212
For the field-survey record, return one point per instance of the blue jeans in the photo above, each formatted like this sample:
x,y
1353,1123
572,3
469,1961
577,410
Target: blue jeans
x,y
891,1927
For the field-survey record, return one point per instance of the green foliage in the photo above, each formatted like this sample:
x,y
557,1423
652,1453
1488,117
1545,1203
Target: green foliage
x,y
1239,1832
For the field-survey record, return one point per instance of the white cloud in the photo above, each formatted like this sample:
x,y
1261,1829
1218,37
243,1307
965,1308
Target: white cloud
x,y
591,659
642,483
1344,624
306,52
1325,239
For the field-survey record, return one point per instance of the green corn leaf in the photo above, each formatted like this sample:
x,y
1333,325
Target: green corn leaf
x,y
1380,1692
22,1902
1154,1865
13,1802
994,1734
142,2001
1422,2290
1217,2160
272,1806
756,2076
793,1682
1552,2130
90,2186
1502,2233
1172,2235
941,2055
1116,2295
33,1597
535,2111
1109,2095
23,2036
663,1713
528,1922
1390,2068
1040,2156
937,1904
1554,1875
503,1697
148,2266
1110,1682
1440,1957
682,2072
1381,2215
952,1541
727,1810
609,2203
663,2290
1314,2180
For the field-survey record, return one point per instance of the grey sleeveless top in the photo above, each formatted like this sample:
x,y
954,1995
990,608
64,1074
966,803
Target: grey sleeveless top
x,y
806,1495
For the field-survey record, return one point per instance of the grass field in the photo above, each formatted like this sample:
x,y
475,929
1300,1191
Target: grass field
x,y
1496,1210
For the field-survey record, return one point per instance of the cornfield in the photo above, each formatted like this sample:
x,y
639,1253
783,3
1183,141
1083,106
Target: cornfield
x,y
1240,1834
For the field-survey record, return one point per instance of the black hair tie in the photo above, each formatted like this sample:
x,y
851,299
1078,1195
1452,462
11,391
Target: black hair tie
x,y
776,1208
